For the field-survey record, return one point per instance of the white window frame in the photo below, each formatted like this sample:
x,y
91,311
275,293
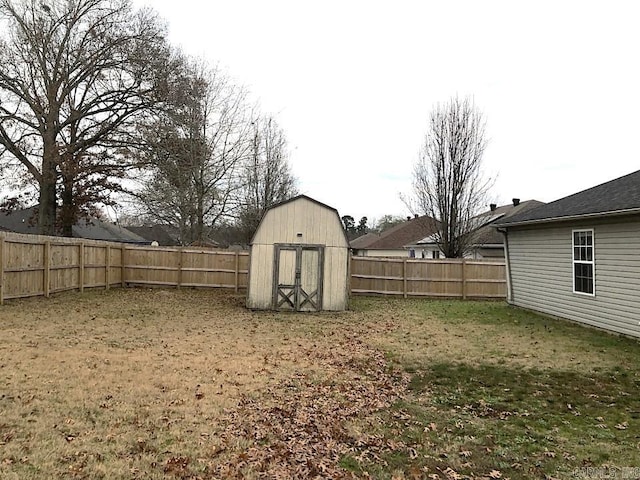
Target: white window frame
x,y
592,262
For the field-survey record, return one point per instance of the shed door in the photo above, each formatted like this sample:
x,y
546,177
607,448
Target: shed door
x,y
298,277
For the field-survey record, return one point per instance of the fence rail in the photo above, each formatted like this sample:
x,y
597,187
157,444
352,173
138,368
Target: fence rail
x,y
453,278
33,265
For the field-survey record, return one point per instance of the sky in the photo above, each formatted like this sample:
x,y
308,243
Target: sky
x,y
353,82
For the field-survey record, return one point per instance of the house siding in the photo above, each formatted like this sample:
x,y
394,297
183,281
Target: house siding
x,y
319,226
542,273
384,253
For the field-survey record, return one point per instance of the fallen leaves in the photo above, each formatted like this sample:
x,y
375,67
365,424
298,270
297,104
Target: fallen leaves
x,y
298,429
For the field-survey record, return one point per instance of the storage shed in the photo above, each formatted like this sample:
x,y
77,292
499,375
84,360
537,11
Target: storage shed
x,y
299,258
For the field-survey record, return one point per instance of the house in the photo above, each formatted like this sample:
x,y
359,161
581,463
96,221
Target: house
x,y
25,221
164,235
299,258
579,257
396,241
487,242
169,236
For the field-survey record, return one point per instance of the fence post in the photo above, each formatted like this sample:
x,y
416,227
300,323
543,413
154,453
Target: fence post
x,y
47,267
180,260
2,271
464,280
107,266
237,271
404,277
81,266
349,273
122,266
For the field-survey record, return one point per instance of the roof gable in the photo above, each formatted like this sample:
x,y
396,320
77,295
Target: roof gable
x,y
618,196
270,213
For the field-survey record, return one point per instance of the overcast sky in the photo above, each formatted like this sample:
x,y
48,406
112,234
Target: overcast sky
x,y
352,84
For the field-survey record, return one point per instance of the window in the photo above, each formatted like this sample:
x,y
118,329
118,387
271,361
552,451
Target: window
x,y
436,254
583,262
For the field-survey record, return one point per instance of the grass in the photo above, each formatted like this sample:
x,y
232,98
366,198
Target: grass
x,y
499,391
189,384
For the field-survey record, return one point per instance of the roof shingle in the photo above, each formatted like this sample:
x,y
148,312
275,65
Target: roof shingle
x,y
399,236
616,196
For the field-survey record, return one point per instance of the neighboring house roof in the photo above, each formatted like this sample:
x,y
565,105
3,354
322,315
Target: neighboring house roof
x,y
616,197
165,235
98,230
363,241
208,243
25,221
487,233
399,236
483,224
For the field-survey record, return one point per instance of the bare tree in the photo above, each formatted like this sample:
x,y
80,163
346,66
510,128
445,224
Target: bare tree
x,y
448,183
74,78
267,177
195,153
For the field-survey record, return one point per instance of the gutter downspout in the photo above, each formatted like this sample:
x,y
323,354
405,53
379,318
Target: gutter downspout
x,y
507,259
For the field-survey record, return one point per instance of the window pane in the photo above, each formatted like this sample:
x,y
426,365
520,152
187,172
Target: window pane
x,y
589,238
576,238
583,277
590,254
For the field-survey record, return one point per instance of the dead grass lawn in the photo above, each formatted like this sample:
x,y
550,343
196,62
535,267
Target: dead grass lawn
x,y
188,384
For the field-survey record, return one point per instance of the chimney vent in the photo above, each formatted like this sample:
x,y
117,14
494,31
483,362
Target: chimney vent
x,y
408,218
415,215
516,202
493,207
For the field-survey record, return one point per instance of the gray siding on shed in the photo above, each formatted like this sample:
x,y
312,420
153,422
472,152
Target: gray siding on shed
x,y
542,273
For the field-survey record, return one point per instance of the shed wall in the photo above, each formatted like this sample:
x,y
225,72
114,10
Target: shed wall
x,y
542,273
319,226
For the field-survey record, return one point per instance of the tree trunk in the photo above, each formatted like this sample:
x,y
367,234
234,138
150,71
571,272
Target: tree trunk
x,y
47,199
68,216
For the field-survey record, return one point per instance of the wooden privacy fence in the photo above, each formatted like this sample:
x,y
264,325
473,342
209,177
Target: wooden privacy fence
x,y
429,278
33,265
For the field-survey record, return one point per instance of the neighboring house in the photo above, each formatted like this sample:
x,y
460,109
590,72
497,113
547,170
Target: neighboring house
x,y
487,243
397,241
579,257
169,236
165,235
25,221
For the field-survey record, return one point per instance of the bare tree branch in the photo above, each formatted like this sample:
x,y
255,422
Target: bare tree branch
x,y
448,182
76,77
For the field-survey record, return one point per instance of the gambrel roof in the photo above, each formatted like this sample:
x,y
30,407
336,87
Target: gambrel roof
x,y
616,197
